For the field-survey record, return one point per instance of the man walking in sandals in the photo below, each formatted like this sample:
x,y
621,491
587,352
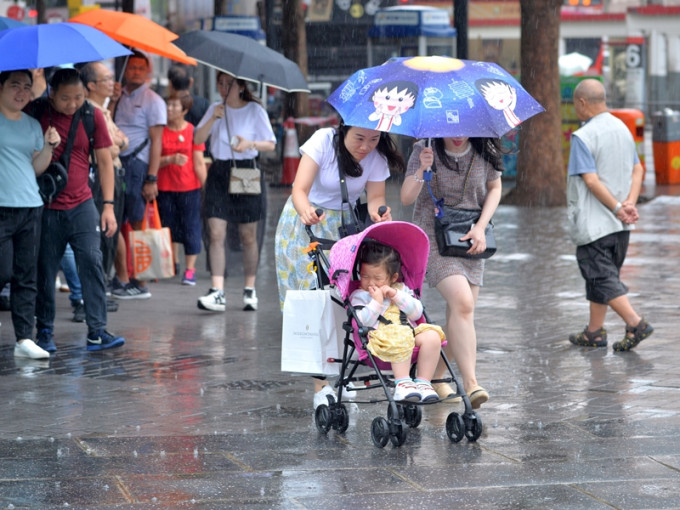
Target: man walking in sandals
x,y
603,185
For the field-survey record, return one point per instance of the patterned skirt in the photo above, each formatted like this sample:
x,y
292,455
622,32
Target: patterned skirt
x,y
291,240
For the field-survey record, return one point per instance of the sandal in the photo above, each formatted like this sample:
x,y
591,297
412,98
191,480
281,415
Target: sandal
x,y
634,335
445,392
590,339
477,396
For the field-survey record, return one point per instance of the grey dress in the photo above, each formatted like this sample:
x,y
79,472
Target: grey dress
x,y
449,184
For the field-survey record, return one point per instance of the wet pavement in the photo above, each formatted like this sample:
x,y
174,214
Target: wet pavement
x,y
193,411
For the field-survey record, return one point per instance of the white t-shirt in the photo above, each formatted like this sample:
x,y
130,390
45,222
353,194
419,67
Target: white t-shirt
x,y
250,122
325,191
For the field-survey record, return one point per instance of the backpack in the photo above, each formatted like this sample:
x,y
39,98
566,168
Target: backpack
x,y
54,179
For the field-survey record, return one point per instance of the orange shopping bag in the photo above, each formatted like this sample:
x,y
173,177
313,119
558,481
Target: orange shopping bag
x,y
151,247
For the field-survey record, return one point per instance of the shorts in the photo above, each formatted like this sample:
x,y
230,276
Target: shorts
x,y
218,203
180,211
135,174
600,264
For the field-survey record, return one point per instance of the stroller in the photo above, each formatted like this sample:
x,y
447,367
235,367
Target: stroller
x,y
358,365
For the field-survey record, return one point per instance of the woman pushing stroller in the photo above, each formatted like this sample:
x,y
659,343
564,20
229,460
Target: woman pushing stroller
x,y
385,303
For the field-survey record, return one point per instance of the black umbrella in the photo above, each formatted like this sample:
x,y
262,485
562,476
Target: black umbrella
x,y
243,58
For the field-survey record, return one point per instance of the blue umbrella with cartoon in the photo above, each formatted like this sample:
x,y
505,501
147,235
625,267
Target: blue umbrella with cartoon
x,y
432,97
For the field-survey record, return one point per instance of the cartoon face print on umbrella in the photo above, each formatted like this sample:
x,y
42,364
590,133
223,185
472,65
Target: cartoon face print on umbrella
x,y
391,100
500,95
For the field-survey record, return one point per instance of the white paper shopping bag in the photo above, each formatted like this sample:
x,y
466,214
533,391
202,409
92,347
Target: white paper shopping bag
x,y
312,332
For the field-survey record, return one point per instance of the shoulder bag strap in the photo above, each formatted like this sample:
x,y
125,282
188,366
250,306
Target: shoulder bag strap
x,y
345,200
438,203
66,155
88,123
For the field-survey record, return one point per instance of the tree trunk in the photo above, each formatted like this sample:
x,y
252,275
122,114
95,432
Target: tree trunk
x,y
541,177
294,42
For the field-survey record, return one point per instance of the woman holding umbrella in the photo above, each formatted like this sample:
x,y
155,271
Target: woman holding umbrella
x,y
366,157
467,173
234,142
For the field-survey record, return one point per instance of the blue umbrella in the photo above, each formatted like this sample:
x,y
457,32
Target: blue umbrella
x,y
6,23
53,44
431,97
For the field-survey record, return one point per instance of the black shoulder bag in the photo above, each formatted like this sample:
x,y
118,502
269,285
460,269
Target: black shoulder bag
x,y
55,177
451,223
359,218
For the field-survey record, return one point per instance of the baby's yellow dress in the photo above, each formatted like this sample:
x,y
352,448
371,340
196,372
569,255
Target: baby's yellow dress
x,y
395,342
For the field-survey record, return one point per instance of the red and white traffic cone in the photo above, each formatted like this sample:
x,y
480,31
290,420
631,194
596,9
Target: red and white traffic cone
x,y
291,152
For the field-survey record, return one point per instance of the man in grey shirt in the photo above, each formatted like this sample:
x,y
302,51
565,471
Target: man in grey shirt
x,y
603,185
141,114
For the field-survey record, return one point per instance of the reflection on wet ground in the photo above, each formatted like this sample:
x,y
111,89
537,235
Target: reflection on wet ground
x,y
193,411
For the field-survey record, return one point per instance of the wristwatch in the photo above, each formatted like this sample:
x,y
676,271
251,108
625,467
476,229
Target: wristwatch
x,y
151,178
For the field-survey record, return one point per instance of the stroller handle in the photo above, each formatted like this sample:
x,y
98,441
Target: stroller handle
x,y
325,243
381,210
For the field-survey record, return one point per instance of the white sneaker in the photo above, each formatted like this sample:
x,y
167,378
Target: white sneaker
x,y
320,397
249,299
406,390
26,348
427,392
213,301
349,391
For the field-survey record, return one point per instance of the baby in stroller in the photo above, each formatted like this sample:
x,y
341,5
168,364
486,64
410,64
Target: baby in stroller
x,y
378,274
383,302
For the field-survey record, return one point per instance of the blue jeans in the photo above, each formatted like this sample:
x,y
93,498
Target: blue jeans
x,y
135,174
19,235
79,227
68,267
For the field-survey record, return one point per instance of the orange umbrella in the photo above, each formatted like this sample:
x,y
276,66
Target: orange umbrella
x,y
136,31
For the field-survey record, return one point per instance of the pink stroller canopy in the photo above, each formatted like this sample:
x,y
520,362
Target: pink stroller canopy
x,y
408,239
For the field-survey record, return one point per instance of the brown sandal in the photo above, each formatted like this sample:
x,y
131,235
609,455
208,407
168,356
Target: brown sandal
x,y
587,338
634,335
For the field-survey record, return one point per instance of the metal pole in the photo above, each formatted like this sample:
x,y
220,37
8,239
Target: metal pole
x,y
460,23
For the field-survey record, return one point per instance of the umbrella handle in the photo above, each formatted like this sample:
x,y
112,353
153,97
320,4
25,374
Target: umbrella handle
x,y
122,70
428,143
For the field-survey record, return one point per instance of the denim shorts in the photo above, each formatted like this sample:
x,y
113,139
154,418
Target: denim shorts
x,y
600,264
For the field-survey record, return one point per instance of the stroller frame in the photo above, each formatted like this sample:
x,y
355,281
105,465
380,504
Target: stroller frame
x,y
401,415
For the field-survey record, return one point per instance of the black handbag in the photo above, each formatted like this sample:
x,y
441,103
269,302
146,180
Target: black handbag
x,y
52,181
55,177
451,223
454,224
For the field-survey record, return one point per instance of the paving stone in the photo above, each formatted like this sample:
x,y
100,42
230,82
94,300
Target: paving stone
x,y
193,411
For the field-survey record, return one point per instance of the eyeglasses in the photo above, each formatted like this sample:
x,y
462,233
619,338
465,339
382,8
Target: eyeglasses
x,y
105,79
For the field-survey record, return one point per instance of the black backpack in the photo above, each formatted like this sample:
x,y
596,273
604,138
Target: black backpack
x,y
54,179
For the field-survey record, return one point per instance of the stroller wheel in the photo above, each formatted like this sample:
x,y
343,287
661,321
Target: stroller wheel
x,y
473,427
398,432
413,415
341,421
380,432
455,427
322,418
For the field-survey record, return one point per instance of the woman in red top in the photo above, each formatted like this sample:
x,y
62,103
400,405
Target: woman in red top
x,y
180,179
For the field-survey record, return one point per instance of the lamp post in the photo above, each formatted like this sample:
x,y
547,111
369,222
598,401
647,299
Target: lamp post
x,y
460,23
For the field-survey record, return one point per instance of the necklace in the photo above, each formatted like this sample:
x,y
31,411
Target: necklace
x,y
458,155
178,129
